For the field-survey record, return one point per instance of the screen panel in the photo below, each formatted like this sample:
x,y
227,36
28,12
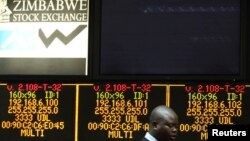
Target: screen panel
x,y
44,37
171,40
116,111
203,105
37,111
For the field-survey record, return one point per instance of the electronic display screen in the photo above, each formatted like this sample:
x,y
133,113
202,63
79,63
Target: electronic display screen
x,y
166,37
209,104
37,112
116,111
44,37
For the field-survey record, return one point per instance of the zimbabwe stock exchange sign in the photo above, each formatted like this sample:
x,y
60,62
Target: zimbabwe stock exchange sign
x,y
44,37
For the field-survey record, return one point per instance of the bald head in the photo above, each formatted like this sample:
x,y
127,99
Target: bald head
x,y
162,112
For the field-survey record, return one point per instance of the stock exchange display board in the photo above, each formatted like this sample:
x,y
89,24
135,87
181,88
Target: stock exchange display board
x,y
115,111
100,46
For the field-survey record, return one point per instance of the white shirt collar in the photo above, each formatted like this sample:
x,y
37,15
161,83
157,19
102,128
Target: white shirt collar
x,y
150,137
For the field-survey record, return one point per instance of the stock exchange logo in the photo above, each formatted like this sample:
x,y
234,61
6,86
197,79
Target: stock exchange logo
x,y
4,11
57,34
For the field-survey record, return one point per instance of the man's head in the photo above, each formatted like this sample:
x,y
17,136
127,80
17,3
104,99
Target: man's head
x,y
163,123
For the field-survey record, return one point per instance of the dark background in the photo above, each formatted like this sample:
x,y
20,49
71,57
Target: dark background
x,y
171,40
